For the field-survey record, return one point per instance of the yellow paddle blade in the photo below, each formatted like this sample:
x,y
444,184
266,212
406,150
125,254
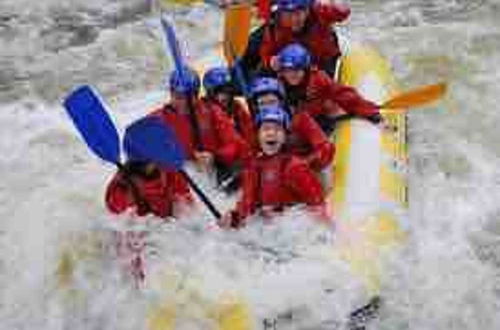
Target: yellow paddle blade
x,y
416,97
237,22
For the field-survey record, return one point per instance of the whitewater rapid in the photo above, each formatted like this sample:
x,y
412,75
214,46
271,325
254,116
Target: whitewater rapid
x,y
51,192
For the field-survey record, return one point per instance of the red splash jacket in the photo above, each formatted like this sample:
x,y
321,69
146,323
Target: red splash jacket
x,y
323,96
216,131
317,36
159,193
309,142
271,183
241,119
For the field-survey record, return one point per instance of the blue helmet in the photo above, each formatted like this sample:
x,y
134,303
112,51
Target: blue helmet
x,y
184,81
216,78
294,56
273,113
291,5
264,85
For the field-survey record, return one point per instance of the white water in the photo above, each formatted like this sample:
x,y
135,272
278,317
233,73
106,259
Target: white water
x,y
51,189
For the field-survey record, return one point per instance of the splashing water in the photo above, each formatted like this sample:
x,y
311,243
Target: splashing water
x,y
446,277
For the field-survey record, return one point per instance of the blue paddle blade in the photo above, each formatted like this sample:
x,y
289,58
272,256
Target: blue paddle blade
x,y
172,42
150,140
93,122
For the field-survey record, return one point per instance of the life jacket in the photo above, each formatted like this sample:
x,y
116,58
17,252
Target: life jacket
x,y
209,129
308,141
272,192
319,40
150,195
320,96
243,122
240,117
270,183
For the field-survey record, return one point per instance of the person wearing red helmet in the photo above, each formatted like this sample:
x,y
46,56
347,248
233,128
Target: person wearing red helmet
x,y
306,139
311,90
206,133
275,178
145,188
308,22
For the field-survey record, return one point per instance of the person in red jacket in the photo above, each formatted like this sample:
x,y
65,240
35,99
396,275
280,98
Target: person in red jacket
x,y
145,188
311,90
275,178
220,92
206,133
306,139
308,22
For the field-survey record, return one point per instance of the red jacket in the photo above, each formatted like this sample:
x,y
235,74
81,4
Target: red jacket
x,y
308,141
241,119
317,36
273,182
159,194
323,96
216,131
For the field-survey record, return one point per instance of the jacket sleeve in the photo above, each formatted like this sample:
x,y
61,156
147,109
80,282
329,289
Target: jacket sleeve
x,y
232,147
351,101
179,187
304,183
322,150
329,13
118,197
248,200
248,131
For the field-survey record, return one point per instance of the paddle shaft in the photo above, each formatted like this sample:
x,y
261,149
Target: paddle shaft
x,y
200,194
173,47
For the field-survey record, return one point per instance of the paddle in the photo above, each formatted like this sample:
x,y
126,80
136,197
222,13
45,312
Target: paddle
x,y
89,116
156,142
149,138
237,22
172,42
416,97
174,49
401,102
94,124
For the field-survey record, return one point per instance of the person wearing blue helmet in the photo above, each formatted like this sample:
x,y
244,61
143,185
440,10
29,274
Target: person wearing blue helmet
x,y
308,22
220,91
144,187
306,138
266,91
311,90
275,178
220,94
205,132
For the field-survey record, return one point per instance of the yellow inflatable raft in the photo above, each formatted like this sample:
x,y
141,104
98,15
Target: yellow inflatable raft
x,y
370,189
369,198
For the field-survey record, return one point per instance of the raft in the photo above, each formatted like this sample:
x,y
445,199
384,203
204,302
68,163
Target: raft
x,y
370,188
369,196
